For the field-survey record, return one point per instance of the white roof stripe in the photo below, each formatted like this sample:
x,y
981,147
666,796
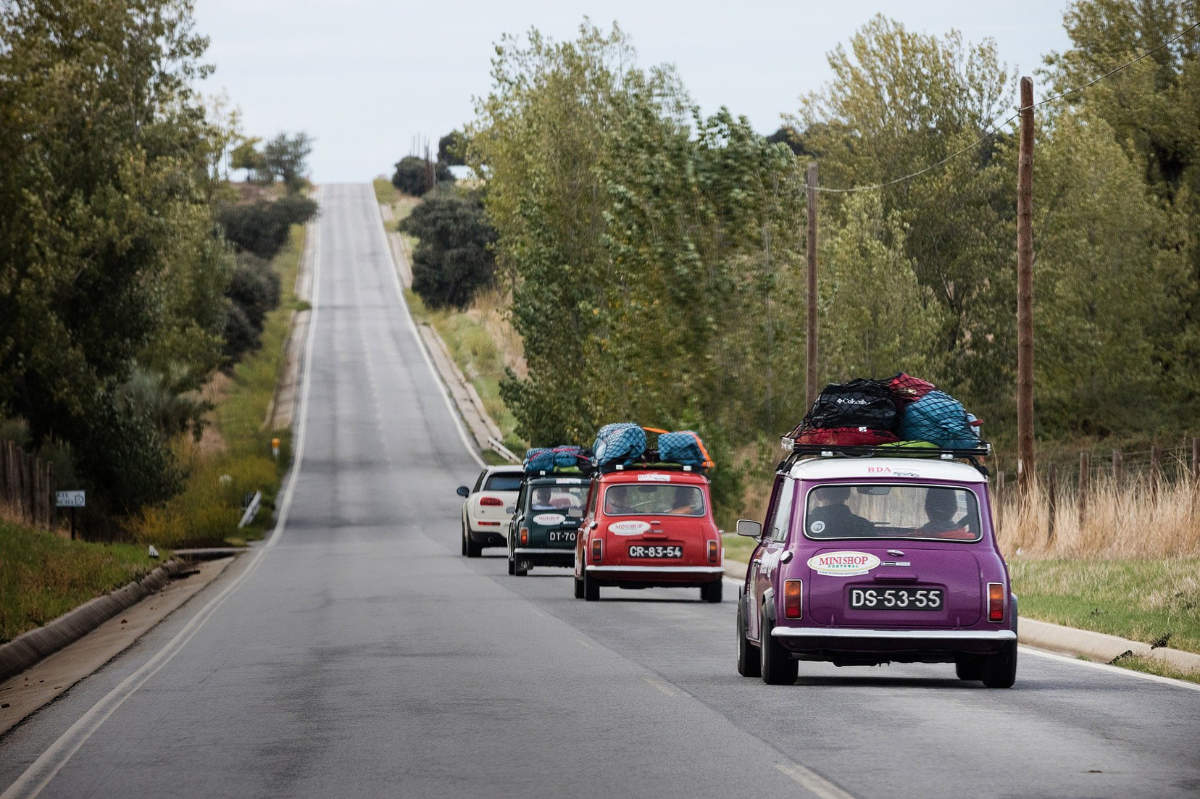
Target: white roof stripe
x,y
883,468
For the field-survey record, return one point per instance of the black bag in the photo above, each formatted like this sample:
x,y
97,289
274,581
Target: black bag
x,y
859,403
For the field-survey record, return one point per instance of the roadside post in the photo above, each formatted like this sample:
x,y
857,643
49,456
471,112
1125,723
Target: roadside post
x,y
72,500
275,448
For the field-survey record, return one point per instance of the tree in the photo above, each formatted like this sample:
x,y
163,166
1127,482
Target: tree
x,y
247,156
262,228
452,148
453,258
413,173
285,157
103,218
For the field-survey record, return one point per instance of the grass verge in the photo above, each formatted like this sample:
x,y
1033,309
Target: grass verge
x,y
208,509
474,350
1156,601
43,575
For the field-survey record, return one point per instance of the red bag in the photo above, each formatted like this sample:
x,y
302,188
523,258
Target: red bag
x,y
907,388
847,437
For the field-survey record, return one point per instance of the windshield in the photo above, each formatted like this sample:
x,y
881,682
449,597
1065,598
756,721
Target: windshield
x,y
660,500
503,481
892,511
565,499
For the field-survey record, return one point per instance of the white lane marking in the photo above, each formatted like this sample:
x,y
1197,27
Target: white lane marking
x,y
661,686
813,782
412,326
1108,668
39,774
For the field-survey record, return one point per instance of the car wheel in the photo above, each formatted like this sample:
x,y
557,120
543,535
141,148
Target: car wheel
x,y
591,591
473,550
520,568
711,592
749,664
1000,669
464,539
578,588
968,667
777,666
511,565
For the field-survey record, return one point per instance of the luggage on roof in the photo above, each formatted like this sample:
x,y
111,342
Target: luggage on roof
x,y
939,419
685,448
622,442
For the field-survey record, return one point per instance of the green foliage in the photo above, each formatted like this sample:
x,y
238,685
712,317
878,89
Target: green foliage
x,y
285,157
452,259
261,228
107,252
452,148
247,156
415,176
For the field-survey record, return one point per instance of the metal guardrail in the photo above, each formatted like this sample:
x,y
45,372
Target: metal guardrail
x,y
501,450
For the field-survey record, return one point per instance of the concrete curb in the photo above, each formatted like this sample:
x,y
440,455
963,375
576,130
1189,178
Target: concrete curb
x,y
28,648
1067,640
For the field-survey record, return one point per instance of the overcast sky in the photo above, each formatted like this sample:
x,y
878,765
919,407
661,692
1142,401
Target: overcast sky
x,y
366,78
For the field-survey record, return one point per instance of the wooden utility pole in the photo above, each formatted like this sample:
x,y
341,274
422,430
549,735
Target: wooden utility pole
x,y
1085,472
1025,459
810,387
1051,502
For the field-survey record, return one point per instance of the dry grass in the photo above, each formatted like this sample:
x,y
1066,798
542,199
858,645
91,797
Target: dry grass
x,y
1127,520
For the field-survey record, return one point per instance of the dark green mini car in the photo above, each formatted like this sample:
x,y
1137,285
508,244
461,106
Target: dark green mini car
x,y
542,531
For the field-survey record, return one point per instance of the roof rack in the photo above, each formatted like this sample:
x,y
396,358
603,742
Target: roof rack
x,y
800,451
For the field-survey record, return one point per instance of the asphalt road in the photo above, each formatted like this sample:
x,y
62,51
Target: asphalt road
x,y
358,654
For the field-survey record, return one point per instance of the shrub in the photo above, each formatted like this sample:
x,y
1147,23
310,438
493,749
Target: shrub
x,y
240,334
412,175
261,228
453,258
254,287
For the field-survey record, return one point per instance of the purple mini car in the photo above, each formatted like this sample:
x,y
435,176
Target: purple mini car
x,y
867,560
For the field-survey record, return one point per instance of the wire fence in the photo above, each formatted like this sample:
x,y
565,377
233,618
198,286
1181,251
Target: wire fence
x,y
26,487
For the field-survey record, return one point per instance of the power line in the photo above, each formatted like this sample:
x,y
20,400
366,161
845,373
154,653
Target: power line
x,y
993,126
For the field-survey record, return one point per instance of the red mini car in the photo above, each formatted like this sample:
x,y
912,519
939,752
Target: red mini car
x,y
648,526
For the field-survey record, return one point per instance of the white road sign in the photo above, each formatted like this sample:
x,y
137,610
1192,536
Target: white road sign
x,y
69,499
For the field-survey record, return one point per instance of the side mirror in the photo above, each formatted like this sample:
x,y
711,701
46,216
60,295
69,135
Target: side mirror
x,y
593,525
463,491
749,528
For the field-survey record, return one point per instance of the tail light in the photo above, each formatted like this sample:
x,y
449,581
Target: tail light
x,y
995,601
793,590
491,501
597,550
714,551
524,536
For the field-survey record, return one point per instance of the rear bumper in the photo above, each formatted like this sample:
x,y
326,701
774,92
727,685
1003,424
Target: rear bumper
x,y
654,576
933,645
545,556
488,537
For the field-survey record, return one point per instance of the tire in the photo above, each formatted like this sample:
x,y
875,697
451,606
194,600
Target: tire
x,y
711,592
473,550
511,565
578,587
520,568
1000,669
464,539
591,591
749,663
777,667
968,667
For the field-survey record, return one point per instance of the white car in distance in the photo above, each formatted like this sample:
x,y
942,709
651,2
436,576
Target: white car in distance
x,y
489,505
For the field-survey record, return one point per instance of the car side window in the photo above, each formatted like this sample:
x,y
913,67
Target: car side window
x,y
783,510
479,482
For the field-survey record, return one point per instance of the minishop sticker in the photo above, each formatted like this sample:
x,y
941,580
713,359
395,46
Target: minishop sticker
x,y
548,519
628,528
844,563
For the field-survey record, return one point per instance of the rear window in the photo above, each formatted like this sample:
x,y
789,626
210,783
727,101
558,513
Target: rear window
x,y
499,481
660,500
567,499
892,511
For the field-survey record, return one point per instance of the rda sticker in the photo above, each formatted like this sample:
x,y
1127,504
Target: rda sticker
x,y
843,563
549,519
628,528
654,478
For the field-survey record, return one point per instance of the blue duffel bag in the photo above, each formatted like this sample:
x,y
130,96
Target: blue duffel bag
x,y
622,443
566,456
683,447
939,419
539,459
